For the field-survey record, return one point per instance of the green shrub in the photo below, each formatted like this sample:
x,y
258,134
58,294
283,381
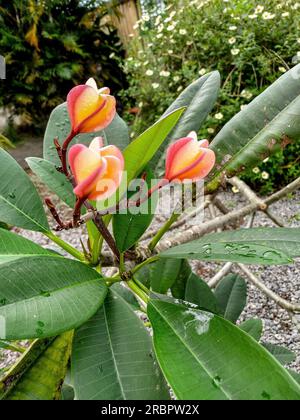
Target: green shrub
x,y
251,43
49,47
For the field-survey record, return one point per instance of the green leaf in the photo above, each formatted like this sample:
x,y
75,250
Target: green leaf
x,y
198,292
113,357
282,354
286,240
65,296
20,204
43,380
295,375
178,288
205,357
163,274
253,327
199,99
126,295
59,127
143,148
56,181
231,295
265,126
210,248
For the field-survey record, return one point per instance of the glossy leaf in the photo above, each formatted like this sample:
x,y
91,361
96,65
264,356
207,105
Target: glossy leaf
x,y
265,126
65,296
113,359
199,99
253,327
20,204
59,127
205,357
198,292
43,380
231,295
178,288
126,295
163,274
211,249
56,181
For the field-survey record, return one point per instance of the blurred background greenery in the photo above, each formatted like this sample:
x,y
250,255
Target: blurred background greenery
x,y
51,45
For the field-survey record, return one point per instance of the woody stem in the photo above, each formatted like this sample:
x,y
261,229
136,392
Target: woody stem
x,y
63,152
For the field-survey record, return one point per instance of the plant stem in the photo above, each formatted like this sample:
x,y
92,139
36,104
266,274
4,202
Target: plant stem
x,y
112,280
162,231
141,285
135,288
64,245
146,262
122,263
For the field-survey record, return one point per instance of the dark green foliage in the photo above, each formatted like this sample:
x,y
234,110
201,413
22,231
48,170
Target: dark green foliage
x,y
50,46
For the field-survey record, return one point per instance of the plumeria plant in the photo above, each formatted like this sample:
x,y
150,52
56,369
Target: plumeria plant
x,y
124,317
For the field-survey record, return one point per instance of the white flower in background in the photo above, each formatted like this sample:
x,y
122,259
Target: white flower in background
x,y
295,6
298,54
112,55
159,36
160,28
170,52
298,40
235,51
282,69
141,104
259,9
155,85
246,94
149,73
232,28
266,160
137,65
176,79
182,31
172,14
256,170
131,35
243,107
202,71
146,18
237,18
268,16
252,16
136,26
157,20
265,175
129,59
168,20
232,41
219,116
150,45
170,28
211,130
189,43
172,41
146,63
165,73
285,14
180,88
279,6
235,190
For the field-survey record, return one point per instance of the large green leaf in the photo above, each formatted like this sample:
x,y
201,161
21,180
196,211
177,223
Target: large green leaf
x,y
44,295
59,127
209,248
199,99
282,354
253,327
286,240
143,148
198,292
20,204
266,125
113,357
56,181
43,380
205,357
231,295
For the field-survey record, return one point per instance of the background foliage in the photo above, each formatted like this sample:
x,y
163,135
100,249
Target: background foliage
x,y
59,43
251,43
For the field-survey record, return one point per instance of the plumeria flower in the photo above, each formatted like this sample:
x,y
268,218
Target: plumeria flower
x,y
90,109
97,170
189,159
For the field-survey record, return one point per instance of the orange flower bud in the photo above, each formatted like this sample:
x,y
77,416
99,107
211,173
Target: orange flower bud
x,y
189,158
97,170
90,109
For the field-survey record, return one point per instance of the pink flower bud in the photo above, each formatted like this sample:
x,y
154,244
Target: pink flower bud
x,y
97,170
189,159
90,109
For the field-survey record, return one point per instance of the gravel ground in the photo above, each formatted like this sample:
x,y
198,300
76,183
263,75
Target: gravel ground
x,y
285,280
